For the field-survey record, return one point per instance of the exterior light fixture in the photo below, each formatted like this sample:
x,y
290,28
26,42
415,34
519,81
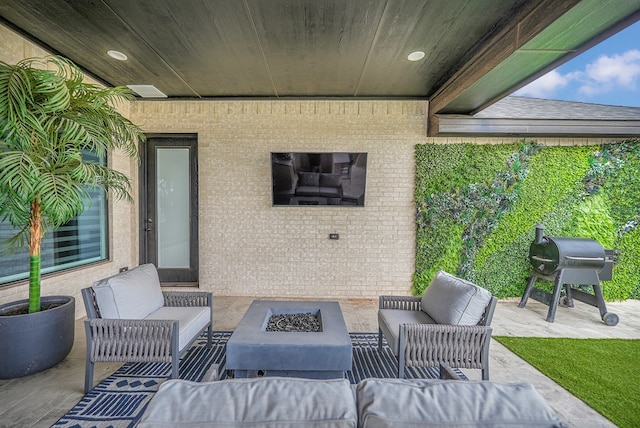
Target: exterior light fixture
x,y
117,55
415,56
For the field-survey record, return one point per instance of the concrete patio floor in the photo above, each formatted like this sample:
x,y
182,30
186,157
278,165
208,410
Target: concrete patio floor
x,y
41,399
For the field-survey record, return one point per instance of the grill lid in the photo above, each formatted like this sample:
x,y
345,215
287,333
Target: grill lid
x,y
548,254
559,252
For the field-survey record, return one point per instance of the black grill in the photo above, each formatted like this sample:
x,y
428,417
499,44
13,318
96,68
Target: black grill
x,y
569,262
548,254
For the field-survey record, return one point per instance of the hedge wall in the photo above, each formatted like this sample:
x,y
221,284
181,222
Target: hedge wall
x,y
477,207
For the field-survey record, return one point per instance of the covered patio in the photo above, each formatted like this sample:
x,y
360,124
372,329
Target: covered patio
x,y
372,100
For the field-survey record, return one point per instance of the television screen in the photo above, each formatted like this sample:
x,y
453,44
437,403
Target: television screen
x,y
319,178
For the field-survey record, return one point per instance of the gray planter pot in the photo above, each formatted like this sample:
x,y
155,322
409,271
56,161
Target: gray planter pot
x,y
31,343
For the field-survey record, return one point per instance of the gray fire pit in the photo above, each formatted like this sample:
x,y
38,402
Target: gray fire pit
x,y
320,355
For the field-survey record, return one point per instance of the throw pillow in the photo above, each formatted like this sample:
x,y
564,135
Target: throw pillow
x,y
309,179
454,301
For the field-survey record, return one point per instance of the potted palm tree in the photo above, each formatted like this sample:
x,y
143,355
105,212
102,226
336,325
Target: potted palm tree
x,y
50,118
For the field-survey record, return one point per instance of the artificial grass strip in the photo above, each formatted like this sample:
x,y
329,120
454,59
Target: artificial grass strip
x,y
604,373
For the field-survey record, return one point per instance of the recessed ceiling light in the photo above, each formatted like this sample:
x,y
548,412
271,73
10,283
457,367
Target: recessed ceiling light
x,y
415,56
147,91
117,55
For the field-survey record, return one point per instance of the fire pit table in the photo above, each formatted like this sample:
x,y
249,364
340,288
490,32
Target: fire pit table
x,y
322,354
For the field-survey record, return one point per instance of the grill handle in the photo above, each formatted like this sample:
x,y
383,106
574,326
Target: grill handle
x,y
541,259
585,259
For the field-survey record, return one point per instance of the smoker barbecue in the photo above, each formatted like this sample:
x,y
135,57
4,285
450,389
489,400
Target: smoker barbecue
x,y
569,262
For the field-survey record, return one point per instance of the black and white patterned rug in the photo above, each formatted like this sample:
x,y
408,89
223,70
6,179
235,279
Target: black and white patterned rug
x,y
119,400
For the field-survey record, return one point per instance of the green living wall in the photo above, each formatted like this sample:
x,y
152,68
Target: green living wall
x,y
477,207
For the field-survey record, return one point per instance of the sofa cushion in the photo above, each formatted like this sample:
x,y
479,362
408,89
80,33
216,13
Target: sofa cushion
x,y
389,321
309,179
330,180
259,402
329,192
307,190
396,403
455,301
132,294
191,320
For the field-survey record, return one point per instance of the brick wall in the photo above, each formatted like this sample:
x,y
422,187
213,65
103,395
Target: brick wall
x,y
247,246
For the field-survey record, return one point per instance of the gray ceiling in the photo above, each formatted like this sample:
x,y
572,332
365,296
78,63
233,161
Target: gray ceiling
x,y
477,51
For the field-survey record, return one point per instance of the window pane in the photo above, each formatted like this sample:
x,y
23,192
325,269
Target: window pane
x,y
81,241
173,207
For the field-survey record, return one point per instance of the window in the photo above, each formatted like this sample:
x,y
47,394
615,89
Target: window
x,y
80,241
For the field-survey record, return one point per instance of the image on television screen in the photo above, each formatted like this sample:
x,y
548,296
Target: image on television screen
x,y
319,179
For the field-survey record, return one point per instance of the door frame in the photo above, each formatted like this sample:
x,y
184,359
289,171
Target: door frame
x,y
143,171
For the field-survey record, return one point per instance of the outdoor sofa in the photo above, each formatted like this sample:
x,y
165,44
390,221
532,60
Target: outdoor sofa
x,y
372,403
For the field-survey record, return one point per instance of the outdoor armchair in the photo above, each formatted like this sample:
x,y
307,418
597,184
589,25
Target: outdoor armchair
x,y
130,319
449,324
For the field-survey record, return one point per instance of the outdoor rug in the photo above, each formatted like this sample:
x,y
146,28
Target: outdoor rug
x,y
119,400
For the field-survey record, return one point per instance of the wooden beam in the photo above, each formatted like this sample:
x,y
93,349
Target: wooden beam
x,y
533,18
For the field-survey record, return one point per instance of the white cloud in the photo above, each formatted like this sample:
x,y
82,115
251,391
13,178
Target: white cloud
x,y
545,86
608,73
605,74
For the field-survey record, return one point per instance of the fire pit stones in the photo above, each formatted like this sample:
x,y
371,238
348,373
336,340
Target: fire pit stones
x,y
300,322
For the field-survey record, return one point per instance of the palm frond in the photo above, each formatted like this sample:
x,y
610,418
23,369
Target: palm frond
x,y
100,176
16,242
14,211
61,198
18,173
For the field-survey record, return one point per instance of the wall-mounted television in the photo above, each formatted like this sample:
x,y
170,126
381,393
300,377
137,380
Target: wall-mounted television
x,y
319,179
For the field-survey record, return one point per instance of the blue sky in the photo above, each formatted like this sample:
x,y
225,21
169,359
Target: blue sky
x,y
608,73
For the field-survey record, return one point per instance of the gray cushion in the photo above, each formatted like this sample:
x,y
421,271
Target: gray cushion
x,y
261,402
309,179
389,321
454,301
330,180
329,192
307,190
386,403
133,294
191,320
